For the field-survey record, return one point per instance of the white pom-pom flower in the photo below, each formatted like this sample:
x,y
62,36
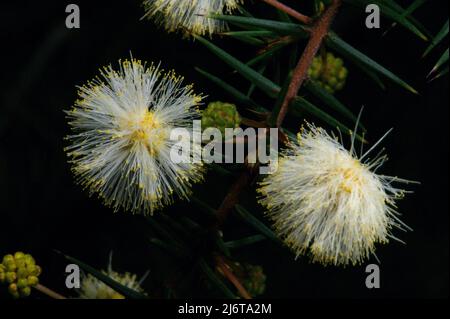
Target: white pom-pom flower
x,y
189,16
120,146
92,288
329,202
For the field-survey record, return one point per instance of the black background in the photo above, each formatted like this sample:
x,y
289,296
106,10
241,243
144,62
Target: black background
x,y
41,209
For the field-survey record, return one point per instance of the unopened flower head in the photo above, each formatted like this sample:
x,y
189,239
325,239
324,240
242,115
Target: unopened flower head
x,y
329,202
120,146
92,288
189,16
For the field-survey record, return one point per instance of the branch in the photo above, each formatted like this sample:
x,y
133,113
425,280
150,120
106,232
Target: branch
x,y
318,33
48,292
225,269
232,197
288,10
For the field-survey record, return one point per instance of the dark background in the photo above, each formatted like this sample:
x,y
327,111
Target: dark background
x,y
41,209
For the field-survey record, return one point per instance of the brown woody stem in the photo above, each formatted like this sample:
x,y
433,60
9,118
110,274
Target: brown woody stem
x,y
232,197
226,271
288,10
318,33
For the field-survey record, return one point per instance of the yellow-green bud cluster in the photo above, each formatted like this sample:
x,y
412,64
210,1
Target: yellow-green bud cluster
x,y
254,279
328,71
221,115
20,273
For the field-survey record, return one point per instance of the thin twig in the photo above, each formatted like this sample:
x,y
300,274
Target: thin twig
x,y
48,292
318,33
232,197
288,10
225,269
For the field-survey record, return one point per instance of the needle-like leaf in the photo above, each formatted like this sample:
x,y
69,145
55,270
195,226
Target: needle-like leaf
x,y
329,99
401,17
283,28
247,72
215,280
256,223
438,38
244,241
345,49
238,95
442,60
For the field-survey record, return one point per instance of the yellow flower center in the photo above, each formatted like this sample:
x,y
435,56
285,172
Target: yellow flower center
x,y
351,177
149,132
145,126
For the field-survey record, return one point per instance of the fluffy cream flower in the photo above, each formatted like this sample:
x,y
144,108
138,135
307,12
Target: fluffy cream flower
x,y
120,146
189,15
330,202
92,288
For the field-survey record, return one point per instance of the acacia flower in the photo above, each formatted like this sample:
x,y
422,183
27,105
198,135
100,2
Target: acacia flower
x,y
92,288
120,145
329,202
189,16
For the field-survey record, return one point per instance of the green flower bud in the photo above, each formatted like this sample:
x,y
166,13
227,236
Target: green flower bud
x,y
10,265
29,260
328,88
319,7
19,255
12,288
8,258
315,73
333,82
25,292
330,58
33,280
328,72
22,283
10,277
221,115
343,74
20,263
22,272
34,270
31,268
256,282
254,279
38,271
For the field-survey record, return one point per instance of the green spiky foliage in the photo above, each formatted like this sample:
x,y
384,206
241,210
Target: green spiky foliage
x,y
441,66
